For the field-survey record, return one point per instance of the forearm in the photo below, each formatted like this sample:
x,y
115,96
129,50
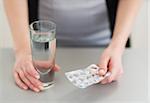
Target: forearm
x,y
126,13
17,14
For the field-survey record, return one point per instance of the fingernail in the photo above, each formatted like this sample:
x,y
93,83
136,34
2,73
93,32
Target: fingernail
x,y
37,76
102,72
25,88
41,87
36,90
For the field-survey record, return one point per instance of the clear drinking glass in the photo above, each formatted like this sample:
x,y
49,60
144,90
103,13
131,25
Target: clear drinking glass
x,y
43,45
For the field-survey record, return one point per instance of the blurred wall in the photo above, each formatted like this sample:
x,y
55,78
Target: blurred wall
x,y
139,35
5,34
149,50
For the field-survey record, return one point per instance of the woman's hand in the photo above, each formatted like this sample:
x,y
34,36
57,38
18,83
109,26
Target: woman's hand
x,y
25,75
111,60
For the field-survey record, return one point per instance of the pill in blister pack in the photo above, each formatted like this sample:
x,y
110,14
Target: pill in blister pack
x,y
83,78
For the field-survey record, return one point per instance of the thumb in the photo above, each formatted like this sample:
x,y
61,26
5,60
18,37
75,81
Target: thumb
x,y
104,60
56,68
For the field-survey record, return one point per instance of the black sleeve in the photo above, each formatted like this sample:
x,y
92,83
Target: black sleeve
x,y
33,10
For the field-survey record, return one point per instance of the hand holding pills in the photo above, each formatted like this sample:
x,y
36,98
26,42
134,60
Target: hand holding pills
x,y
111,60
83,78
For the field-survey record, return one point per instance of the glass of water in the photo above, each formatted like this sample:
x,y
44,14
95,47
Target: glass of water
x,y
43,45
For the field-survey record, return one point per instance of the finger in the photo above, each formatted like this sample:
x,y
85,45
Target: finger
x,y
104,60
19,82
104,81
34,81
116,70
32,71
113,76
56,68
26,81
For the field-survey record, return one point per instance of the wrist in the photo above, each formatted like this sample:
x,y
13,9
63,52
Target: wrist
x,y
116,48
22,51
23,56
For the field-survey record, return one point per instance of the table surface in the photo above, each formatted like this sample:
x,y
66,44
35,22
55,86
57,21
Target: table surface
x,y
131,88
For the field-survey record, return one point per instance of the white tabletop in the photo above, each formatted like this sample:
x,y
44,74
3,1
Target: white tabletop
x,y
131,88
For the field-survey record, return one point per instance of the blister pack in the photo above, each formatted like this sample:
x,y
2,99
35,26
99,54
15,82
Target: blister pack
x,y
83,78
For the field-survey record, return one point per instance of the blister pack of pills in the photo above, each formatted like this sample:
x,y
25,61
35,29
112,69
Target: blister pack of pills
x,y
83,78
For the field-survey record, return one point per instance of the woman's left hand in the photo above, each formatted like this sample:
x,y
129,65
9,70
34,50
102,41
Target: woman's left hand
x,y
111,60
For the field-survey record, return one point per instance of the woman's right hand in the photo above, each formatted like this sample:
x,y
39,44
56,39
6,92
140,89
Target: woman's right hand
x,y
25,75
